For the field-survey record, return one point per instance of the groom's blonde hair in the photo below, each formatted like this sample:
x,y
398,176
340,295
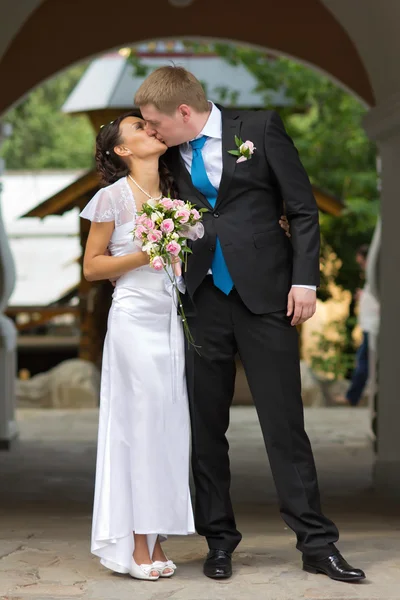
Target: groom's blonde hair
x,y
169,87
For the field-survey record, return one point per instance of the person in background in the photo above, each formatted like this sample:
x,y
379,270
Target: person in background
x,y
368,320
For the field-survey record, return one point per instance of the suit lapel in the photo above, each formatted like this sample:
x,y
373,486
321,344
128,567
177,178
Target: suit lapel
x,y
230,127
180,172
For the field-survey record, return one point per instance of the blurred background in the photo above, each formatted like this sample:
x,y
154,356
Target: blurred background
x,y
50,176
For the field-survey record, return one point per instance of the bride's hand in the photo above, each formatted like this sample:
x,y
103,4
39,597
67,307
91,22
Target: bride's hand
x,y
146,258
284,223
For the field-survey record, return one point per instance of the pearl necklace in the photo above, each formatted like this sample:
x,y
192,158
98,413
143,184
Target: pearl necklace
x,y
142,190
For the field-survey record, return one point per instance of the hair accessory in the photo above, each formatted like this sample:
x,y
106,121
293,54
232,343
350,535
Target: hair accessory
x,y
110,123
107,152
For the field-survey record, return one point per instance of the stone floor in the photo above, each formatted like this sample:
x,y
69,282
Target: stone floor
x,y
46,485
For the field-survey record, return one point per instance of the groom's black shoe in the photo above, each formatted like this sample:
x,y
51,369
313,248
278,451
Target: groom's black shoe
x,y
218,564
333,566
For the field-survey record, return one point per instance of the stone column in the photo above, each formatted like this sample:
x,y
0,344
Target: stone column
x,y
373,280
383,125
8,335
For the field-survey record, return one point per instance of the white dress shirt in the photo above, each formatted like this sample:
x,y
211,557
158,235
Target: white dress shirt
x,y
369,312
212,154
212,149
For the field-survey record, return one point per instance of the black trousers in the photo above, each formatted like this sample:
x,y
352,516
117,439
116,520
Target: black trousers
x,y
268,347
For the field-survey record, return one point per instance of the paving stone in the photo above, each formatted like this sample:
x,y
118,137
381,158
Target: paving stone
x,y
45,517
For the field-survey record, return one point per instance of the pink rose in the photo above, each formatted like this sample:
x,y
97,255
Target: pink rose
x,y
182,215
173,248
241,159
140,232
177,203
247,145
196,214
167,226
167,203
154,236
157,263
148,223
141,219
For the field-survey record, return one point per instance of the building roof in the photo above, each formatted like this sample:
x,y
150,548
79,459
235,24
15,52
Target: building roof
x,y
45,251
110,82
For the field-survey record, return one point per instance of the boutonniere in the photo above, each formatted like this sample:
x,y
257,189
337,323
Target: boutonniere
x,y
245,150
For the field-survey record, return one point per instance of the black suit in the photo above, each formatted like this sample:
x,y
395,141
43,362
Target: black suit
x,y
252,321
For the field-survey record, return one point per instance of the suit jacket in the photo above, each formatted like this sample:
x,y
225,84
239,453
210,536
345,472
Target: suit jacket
x,y
262,261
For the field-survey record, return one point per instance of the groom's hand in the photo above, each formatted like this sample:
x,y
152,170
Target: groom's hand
x,y
302,304
177,267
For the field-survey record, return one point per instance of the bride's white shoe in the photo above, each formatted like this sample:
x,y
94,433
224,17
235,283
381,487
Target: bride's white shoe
x,y
143,571
165,569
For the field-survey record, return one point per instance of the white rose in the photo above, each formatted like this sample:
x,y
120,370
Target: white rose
x,y
149,247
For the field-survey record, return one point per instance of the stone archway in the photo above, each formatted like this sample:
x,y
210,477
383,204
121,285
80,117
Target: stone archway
x,y
56,35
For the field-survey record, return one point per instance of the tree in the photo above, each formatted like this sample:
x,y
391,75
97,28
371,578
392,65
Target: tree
x,y
327,130
45,138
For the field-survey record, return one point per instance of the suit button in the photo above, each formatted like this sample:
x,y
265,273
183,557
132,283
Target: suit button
x,y
216,215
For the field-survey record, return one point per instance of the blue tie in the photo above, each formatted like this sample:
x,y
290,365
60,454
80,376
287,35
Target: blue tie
x,y
222,279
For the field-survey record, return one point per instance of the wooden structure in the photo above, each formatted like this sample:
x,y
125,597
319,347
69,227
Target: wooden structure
x,y
77,195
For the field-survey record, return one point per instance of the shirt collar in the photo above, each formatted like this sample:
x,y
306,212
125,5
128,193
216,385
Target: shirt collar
x,y
213,126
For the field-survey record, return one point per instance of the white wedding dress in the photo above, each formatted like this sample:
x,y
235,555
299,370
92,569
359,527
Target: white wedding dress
x,y
142,471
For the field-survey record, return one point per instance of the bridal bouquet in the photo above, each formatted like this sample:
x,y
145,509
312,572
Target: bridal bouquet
x,y
163,228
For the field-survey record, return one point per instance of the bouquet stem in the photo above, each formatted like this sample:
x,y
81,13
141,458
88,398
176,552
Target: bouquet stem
x,y
186,329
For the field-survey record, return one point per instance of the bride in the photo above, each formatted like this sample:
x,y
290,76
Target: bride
x,y
142,473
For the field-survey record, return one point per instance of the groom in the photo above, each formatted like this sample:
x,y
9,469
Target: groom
x,y
250,286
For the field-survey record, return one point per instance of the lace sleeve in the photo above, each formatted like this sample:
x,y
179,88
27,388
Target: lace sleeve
x,y
101,208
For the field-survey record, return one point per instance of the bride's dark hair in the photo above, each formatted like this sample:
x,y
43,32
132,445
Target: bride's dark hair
x,y
112,167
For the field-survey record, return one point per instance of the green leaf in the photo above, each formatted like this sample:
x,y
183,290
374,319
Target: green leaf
x,y
234,152
238,141
45,138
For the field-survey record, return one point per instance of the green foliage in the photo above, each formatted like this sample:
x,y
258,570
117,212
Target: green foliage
x,y
344,235
331,356
324,120
45,138
139,68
